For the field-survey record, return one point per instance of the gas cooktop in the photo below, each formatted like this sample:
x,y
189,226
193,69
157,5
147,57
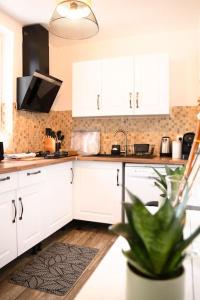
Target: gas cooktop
x,y
48,155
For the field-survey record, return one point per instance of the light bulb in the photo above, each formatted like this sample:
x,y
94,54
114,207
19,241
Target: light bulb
x,y
73,11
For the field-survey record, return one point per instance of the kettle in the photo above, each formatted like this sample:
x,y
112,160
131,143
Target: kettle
x,y
165,146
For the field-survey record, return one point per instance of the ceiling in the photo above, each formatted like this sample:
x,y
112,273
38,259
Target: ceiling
x,y
116,17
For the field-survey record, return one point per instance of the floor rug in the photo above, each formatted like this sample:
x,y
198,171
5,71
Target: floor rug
x,y
56,269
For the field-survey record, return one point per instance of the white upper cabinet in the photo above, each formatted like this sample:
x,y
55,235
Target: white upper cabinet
x,y
117,86
121,86
86,89
151,84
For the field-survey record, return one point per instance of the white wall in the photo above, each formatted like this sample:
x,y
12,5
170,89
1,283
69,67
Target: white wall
x,y
182,47
15,29
12,68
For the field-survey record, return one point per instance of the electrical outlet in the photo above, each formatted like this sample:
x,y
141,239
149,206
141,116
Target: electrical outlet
x,y
179,136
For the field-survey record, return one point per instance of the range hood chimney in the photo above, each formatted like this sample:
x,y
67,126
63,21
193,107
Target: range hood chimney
x,y
35,49
36,90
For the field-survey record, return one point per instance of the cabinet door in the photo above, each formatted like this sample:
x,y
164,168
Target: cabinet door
x,y
151,84
117,86
8,236
97,192
30,206
58,196
86,89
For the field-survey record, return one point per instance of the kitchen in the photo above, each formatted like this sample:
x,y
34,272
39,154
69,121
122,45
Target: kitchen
x,y
25,131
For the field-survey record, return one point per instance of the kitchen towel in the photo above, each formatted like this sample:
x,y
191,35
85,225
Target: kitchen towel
x,y
56,269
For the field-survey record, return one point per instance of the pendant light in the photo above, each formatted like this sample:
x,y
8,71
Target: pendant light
x,y
74,20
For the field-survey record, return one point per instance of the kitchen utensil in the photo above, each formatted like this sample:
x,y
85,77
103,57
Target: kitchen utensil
x,y
165,147
53,134
48,131
59,133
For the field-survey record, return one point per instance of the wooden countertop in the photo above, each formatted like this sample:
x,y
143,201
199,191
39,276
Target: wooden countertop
x,y
8,166
135,160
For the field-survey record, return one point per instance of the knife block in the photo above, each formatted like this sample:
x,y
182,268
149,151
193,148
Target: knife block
x,y
49,144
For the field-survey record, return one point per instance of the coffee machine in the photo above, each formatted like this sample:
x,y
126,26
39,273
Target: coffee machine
x,y
1,151
188,139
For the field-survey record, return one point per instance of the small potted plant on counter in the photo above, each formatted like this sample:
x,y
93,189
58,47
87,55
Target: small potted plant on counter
x,y
157,249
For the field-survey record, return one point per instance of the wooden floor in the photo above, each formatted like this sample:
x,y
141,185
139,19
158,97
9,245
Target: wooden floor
x,y
79,233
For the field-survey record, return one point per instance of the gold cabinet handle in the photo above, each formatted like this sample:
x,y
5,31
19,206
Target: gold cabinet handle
x,y
137,100
98,106
130,100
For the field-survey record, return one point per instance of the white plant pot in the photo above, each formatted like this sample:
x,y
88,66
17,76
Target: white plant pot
x,y
141,288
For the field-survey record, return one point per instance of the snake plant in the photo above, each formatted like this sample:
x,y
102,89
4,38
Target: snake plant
x,y
156,241
161,183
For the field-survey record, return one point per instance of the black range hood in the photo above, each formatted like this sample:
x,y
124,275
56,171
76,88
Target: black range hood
x,y
36,90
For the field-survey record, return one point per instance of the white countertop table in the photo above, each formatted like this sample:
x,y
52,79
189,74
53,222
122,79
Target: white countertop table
x,y
108,282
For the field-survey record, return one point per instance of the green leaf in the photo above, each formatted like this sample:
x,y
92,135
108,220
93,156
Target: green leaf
x,y
135,261
162,178
157,236
169,171
185,243
122,229
161,188
173,263
165,213
156,241
128,210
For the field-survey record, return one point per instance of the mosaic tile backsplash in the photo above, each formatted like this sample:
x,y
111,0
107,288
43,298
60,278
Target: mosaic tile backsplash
x,y
141,129
29,128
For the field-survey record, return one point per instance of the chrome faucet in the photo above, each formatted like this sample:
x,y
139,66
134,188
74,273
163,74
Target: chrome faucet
x,y
125,140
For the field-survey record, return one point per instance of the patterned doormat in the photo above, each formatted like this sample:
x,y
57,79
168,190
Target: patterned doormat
x,y
56,269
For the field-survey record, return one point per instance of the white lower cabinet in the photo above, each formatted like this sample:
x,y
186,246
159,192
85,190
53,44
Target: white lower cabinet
x,y
97,191
38,204
8,230
58,191
30,207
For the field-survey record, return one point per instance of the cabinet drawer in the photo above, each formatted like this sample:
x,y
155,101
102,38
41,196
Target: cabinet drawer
x,y
59,170
31,176
8,182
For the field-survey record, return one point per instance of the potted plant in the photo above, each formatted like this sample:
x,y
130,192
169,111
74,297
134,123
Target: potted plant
x,y
155,260
161,181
